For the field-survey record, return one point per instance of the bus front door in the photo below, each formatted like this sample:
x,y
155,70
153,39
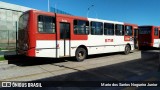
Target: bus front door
x,y
64,43
136,38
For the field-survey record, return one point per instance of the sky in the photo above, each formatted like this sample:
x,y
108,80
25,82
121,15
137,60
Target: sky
x,y
141,12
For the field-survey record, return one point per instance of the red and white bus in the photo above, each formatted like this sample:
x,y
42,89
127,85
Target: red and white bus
x,y
149,36
46,34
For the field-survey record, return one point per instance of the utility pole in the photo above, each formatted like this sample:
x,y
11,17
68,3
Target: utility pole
x,y
48,6
159,59
16,37
55,7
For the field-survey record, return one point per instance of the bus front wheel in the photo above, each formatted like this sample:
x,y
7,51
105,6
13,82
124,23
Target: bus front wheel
x,y
80,54
127,49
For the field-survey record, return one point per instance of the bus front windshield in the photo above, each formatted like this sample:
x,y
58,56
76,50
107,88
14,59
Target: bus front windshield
x,y
145,30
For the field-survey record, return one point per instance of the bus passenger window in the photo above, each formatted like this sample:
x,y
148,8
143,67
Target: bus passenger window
x,y
108,29
46,24
156,31
119,29
96,28
81,27
128,30
159,34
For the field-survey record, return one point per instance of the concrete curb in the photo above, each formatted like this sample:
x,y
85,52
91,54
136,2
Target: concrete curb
x,y
1,62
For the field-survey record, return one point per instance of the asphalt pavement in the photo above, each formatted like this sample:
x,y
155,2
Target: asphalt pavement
x,y
137,66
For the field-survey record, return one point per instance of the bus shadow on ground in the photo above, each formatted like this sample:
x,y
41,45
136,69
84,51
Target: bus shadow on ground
x,y
148,48
135,70
115,72
31,61
105,54
21,60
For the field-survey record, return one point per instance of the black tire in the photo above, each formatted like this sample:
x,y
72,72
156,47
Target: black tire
x,y
81,54
127,50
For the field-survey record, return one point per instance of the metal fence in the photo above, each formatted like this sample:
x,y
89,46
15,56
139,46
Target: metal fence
x,y
59,11
8,25
7,39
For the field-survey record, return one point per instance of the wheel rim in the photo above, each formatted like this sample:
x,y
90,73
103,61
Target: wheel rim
x,y
127,49
81,55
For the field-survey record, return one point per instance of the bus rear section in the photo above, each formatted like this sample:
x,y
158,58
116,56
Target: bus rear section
x,y
36,34
148,36
23,35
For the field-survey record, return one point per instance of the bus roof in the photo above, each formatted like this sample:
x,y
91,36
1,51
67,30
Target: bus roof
x,y
104,21
83,18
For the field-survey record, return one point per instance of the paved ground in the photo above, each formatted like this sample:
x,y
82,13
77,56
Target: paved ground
x,y
107,67
19,68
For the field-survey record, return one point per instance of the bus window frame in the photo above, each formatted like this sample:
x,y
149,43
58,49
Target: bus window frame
x,y
43,24
156,33
113,29
149,30
119,30
87,22
102,29
125,27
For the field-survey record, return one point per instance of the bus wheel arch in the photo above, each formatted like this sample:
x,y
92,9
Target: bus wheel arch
x,y
127,49
81,53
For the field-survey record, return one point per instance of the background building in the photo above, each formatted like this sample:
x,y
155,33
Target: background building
x,y
9,14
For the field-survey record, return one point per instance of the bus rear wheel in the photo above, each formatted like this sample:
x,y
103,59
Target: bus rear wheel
x,y
81,54
127,49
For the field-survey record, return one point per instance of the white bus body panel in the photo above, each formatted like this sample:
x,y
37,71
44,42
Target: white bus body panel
x,y
45,48
97,44
156,43
94,46
63,46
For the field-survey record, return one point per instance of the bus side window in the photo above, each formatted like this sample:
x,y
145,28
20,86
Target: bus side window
x,y
108,29
159,34
156,31
81,27
96,28
128,30
119,29
46,24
